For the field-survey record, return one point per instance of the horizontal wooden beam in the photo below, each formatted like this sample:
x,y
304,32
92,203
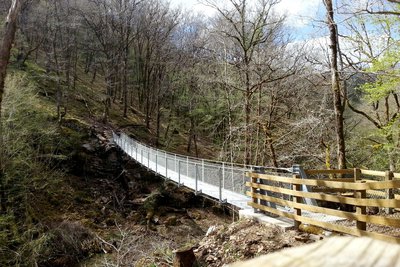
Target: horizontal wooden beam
x,y
330,184
338,213
373,173
322,171
330,190
386,203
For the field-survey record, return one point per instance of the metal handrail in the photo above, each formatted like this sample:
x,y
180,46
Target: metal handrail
x,y
222,180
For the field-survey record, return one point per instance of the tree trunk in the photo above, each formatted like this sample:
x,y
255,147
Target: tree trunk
x,y
390,153
125,81
5,51
270,146
7,42
191,135
337,101
158,124
247,128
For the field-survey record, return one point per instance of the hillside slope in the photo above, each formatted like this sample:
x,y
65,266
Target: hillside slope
x,y
78,196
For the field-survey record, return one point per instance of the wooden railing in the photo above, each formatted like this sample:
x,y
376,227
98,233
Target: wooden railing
x,y
350,189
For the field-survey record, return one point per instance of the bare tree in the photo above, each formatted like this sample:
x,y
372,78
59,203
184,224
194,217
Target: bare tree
x,y
247,28
10,28
338,103
154,29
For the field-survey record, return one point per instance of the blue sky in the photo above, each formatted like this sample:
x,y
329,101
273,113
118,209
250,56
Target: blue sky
x,y
300,14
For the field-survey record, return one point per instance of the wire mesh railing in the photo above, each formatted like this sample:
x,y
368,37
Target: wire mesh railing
x,y
221,180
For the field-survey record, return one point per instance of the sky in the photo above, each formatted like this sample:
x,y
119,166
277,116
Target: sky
x,y
299,13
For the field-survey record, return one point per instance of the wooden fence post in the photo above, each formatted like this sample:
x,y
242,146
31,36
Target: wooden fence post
x,y
297,211
389,191
360,195
254,190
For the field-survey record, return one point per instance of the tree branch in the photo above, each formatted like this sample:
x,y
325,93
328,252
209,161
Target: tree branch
x,y
377,124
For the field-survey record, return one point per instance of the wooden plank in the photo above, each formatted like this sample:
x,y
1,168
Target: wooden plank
x,y
332,252
390,203
347,180
396,175
342,185
338,213
311,182
330,226
322,171
331,190
382,237
382,185
368,180
373,173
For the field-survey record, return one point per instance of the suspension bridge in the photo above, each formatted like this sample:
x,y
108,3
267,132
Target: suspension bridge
x,y
222,181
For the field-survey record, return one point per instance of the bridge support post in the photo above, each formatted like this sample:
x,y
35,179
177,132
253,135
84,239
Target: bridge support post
x,y
202,170
232,178
187,167
175,162
156,160
179,173
195,179
220,183
131,150
166,165
298,169
148,158
223,178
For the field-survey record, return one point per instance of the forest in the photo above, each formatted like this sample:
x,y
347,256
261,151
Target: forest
x,y
243,85
239,80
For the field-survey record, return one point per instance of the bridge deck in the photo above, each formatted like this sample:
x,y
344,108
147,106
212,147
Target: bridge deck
x,y
236,199
222,181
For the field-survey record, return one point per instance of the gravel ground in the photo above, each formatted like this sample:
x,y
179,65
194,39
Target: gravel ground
x,y
244,240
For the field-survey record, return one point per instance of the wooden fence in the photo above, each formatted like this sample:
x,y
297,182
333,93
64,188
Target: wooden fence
x,y
351,189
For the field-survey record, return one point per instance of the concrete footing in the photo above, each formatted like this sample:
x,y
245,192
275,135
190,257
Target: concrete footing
x,y
284,223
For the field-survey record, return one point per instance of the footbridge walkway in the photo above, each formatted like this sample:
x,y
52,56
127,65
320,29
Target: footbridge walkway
x,y
220,180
